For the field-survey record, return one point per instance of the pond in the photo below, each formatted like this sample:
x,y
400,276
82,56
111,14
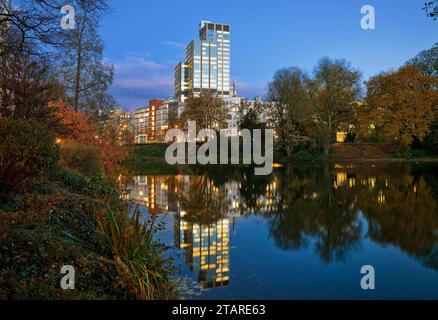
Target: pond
x,y
301,232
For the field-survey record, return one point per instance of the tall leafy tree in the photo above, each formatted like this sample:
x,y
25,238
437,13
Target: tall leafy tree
x,y
427,63
27,87
207,110
401,105
291,109
252,115
251,121
339,88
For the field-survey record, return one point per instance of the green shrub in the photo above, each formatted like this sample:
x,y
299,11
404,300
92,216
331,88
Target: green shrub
x,y
81,158
72,180
27,151
99,187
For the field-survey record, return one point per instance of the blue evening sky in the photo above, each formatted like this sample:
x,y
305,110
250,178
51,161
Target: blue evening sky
x,y
145,39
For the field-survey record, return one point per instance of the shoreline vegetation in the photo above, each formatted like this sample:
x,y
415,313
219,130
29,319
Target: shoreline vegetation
x,y
61,205
71,219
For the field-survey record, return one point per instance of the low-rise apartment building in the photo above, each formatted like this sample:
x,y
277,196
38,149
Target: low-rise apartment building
x,y
152,122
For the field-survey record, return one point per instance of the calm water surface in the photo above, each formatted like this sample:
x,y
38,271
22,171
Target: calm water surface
x,y
300,233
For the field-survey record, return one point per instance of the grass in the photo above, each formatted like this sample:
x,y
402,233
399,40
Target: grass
x,y
415,154
78,221
151,153
136,256
150,159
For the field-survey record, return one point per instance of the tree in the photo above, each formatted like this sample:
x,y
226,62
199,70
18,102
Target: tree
x,y
251,115
338,90
26,88
431,8
290,110
401,104
30,25
27,151
431,141
30,31
207,110
427,61
257,108
74,125
251,121
83,72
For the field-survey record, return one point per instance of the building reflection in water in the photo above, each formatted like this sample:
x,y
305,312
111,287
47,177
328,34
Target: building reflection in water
x,y
207,249
298,206
206,245
152,192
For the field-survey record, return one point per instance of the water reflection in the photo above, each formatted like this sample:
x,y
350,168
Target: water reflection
x,y
328,211
207,249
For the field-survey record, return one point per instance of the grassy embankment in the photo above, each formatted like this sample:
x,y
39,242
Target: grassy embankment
x,y
357,152
70,219
150,158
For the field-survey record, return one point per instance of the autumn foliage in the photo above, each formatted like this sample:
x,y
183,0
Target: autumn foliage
x,y
79,130
75,125
401,105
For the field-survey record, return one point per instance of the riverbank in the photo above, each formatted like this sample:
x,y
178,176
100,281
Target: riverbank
x,y
371,152
151,157
70,219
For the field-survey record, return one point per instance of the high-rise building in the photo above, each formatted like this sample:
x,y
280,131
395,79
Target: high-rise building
x,y
208,63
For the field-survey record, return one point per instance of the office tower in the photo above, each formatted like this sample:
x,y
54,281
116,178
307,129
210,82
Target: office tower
x,y
207,66
181,78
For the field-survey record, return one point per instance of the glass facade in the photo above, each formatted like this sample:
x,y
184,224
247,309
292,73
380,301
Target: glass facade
x,y
181,78
208,64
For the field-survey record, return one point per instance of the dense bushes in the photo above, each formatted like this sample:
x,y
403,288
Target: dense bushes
x,y
81,158
72,179
27,151
82,223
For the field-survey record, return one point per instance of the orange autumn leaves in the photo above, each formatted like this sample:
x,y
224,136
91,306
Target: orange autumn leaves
x,y
79,129
401,105
76,125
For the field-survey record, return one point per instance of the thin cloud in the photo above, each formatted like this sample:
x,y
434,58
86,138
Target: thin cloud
x,y
146,83
138,79
135,61
174,44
